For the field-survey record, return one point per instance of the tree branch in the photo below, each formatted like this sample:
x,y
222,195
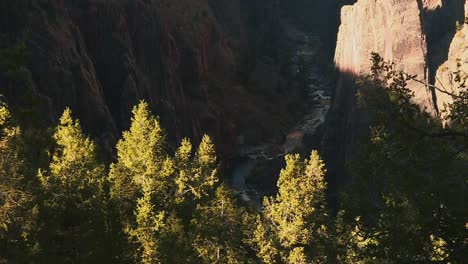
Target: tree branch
x,y
444,91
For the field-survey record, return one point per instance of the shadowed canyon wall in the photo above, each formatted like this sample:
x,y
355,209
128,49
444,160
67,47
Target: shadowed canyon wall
x,y
204,66
218,66
390,28
456,63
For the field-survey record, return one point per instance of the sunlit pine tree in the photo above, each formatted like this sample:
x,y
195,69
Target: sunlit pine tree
x,y
73,209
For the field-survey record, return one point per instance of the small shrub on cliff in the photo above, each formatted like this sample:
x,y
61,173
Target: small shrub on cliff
x,y
458,26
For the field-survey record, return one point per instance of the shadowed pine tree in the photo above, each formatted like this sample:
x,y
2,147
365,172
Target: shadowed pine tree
x,y
409,180
297,218
73,209
18,213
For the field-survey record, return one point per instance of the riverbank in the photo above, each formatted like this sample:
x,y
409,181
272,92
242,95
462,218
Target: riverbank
x,y
256,170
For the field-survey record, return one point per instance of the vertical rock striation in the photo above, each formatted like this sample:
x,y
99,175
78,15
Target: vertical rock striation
x,y
204,66
391,28
456,64
413,34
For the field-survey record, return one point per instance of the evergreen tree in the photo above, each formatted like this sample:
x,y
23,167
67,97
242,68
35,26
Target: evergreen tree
x,y
73,209
205,174
149,223
218,230
196,177
409,181
142,179
266,242
297,214
174,243
18,213
141,156
159,236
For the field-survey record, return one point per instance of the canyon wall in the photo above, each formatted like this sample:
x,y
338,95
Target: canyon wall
x,y
220,67
413,34
391,28
452,74
204,66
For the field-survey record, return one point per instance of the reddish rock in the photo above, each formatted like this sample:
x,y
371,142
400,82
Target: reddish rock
x,y
457,62
391,28
199,64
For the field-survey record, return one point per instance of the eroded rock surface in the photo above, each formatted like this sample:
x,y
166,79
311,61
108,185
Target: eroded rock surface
x,y
411,33
455,66
391,28
204,66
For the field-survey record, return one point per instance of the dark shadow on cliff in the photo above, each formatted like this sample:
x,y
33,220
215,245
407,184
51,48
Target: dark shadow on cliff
x,y
345,128
338,140
439,26
321,18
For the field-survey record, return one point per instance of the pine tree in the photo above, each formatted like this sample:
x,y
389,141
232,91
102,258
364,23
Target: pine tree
x,y
142,159
174,243
149,223
183,161
159,236
196,178
266,242
409,180
297,214
297,256
205,174
73,209
18,213
141,156
354,241
218,230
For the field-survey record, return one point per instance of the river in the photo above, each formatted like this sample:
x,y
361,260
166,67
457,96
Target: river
x,y
318,104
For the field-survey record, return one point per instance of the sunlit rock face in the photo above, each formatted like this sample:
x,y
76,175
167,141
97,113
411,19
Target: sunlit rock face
x,y
416,36
439,18
391,28
432,4
457,63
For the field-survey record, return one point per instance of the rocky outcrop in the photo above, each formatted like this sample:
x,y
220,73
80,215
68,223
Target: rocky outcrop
x,y
391,28
455,66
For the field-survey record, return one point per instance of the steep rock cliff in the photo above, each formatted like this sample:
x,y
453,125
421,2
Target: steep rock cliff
x,y
439,18
205,66
456,64
391,28
412,34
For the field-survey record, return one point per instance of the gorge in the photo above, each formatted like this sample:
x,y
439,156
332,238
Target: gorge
x,y
233,131
232,69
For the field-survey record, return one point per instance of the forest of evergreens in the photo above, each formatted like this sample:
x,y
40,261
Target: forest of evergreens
x,y
406,203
